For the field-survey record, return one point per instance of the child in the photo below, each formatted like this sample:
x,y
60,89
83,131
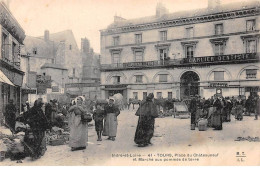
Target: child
x,y
98,116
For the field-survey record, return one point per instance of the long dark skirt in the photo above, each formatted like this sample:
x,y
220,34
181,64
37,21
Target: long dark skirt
x,y
145,129
36,144
193,118
216,121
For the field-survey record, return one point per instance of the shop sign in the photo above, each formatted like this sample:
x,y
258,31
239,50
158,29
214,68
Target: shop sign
x,y
29,91
42,83
55,88
252,89
140,64
218,85
116,86
221,58
79,85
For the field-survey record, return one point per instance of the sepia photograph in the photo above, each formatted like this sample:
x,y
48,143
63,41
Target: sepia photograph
x,y
129,83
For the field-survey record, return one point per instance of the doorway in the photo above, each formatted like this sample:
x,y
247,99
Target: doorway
x,y
189,85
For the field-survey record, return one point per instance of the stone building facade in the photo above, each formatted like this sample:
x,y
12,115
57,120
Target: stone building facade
x,y
177,55
90,82
11,75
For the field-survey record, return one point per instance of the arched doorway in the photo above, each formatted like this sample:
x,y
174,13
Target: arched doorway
x,y
189,84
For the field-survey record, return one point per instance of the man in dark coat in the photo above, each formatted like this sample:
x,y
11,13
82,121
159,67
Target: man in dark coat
x,y
147,113
9,114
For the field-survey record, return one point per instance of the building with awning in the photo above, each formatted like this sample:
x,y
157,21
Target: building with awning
x,y
11,75
4,79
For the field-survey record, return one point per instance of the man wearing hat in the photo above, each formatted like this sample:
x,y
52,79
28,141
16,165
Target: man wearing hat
x,y
111,112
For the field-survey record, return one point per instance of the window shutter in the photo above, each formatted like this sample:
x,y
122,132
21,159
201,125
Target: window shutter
x,y
163,78
219,75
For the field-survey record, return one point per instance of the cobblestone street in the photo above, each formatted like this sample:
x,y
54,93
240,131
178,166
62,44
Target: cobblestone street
x,y
172,136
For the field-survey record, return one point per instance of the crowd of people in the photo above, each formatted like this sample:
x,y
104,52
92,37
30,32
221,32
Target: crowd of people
x,y
42,117
219,109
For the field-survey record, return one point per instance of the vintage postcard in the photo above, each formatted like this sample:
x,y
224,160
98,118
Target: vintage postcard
x,y
129,83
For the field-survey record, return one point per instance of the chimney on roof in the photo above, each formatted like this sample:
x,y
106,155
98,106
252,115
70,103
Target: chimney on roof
x,y
161,10
118,18
46,35
212,4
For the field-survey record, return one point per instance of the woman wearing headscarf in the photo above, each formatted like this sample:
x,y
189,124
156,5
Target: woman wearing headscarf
x,y
38,125
147,113
217,114
111,111
78,127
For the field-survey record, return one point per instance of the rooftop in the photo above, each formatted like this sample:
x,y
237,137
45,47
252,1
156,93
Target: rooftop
x,y
185,14
54,66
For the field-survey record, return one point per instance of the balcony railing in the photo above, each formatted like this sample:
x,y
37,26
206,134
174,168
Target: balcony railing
x,y
205,60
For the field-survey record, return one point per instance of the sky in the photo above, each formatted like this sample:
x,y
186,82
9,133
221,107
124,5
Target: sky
x,y
87,17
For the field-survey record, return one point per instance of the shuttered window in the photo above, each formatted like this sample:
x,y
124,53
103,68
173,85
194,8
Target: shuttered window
x,y
135,95
159,95
219,75
139,78
163,78
139,56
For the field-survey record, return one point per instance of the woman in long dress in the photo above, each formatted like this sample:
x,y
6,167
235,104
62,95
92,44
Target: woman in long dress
x,y
78,128
239,109
217,115
111,112
147,113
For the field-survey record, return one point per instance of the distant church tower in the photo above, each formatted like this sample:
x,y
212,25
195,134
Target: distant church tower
x,y
85,46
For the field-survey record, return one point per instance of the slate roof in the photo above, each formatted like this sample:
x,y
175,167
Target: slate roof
x,y
44,48
186,14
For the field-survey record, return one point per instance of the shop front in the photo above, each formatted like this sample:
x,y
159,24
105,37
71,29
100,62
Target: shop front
x,y
11,82
111,90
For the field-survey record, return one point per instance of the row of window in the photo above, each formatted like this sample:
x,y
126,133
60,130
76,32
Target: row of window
x,y
158,95
189,49
219,30
218,76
